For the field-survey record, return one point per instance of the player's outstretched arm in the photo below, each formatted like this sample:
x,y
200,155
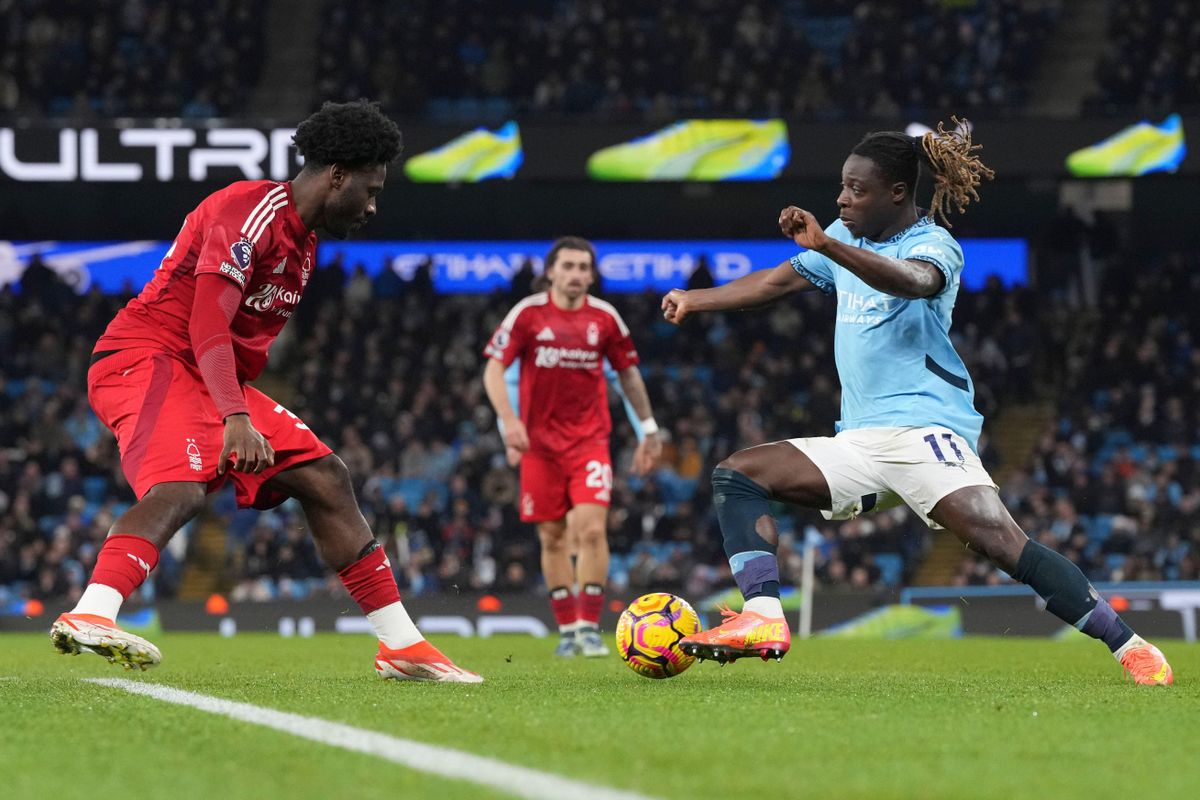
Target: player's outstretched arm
x,y
748,291
649,449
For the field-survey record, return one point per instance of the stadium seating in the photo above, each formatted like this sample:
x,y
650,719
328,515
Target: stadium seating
x,y
1151,64
91,59
668,59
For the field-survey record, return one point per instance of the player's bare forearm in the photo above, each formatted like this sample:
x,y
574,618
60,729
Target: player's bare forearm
x,y
894,276
635,389
749,291
516,438
649,450
497,392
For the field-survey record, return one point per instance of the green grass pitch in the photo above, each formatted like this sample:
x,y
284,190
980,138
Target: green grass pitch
x,y
971,718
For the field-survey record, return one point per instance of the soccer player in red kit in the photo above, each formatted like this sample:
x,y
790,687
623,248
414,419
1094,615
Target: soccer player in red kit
x,y
560,439
168,378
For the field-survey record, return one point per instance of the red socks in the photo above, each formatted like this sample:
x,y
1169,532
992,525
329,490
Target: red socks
x,y
370,581
585,609
562,604
124,563
591,603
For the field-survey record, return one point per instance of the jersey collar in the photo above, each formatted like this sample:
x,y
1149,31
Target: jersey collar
x,y
921,222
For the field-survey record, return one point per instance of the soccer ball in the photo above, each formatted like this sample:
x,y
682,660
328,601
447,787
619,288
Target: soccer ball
x,y
649,632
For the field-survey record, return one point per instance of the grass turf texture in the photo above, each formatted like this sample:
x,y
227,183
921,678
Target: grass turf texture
x,y
967,718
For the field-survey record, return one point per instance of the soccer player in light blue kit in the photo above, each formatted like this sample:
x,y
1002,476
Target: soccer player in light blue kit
x,y
909,426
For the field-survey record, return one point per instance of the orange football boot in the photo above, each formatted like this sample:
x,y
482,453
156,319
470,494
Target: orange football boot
x,y
1145,663
744,634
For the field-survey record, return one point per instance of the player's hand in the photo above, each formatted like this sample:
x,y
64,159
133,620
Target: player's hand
x,y
803,228
676,305
244,446
647,454
513,455
516,438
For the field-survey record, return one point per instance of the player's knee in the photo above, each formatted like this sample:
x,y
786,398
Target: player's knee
x,y
553,538
738,462
744,463
736,474
592,534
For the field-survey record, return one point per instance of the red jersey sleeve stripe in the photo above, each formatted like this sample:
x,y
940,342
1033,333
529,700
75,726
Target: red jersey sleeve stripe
x,y
263,207
607,308
257,231
539,299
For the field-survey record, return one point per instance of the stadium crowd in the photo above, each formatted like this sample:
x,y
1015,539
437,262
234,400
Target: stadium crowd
x,y
114,58
386,372
458,59
665,59
1152,62
1113,483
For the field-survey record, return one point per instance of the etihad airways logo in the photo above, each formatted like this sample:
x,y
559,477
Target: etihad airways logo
x,y
566,357
269,295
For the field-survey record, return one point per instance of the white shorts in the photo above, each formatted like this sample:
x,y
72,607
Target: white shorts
x,y
871,469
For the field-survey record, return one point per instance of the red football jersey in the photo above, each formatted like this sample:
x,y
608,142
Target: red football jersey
x,y
248,232
563,394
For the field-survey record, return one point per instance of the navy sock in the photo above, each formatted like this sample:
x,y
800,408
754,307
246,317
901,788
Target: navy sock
x,y
1069,596
743,509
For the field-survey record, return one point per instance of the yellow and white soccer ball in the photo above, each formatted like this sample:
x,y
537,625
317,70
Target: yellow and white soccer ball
x,y
649,632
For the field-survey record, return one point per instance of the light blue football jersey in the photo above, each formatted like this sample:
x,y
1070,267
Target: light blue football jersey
x,y
894,356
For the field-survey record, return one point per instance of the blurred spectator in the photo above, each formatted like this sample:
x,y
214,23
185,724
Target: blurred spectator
x,y
394,387
665,59
139,58
1151,65
1113,483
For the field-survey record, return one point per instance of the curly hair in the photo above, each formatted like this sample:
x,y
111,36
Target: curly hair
x,y
354,134
950,156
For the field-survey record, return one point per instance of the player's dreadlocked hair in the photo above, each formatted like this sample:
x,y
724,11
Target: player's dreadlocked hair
x,y
957,171
354,134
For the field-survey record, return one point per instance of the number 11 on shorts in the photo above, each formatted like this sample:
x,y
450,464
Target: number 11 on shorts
x,y
937,451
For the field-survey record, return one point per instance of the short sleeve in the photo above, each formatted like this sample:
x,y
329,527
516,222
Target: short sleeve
x,y
226,253
936,247
618,343
235,229
509,340
620,350
816,268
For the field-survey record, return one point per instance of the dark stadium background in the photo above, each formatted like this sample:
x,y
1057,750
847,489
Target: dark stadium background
x,y
1089,374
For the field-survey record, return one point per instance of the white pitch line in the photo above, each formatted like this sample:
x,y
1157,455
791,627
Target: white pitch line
x,y
444,761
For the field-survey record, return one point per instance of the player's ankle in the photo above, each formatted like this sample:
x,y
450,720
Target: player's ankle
x,y
765,605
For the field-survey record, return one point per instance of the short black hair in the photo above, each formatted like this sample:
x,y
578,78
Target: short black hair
x,y
354,134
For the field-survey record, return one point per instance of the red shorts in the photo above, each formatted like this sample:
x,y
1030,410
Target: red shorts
x,y
168,428
551,485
